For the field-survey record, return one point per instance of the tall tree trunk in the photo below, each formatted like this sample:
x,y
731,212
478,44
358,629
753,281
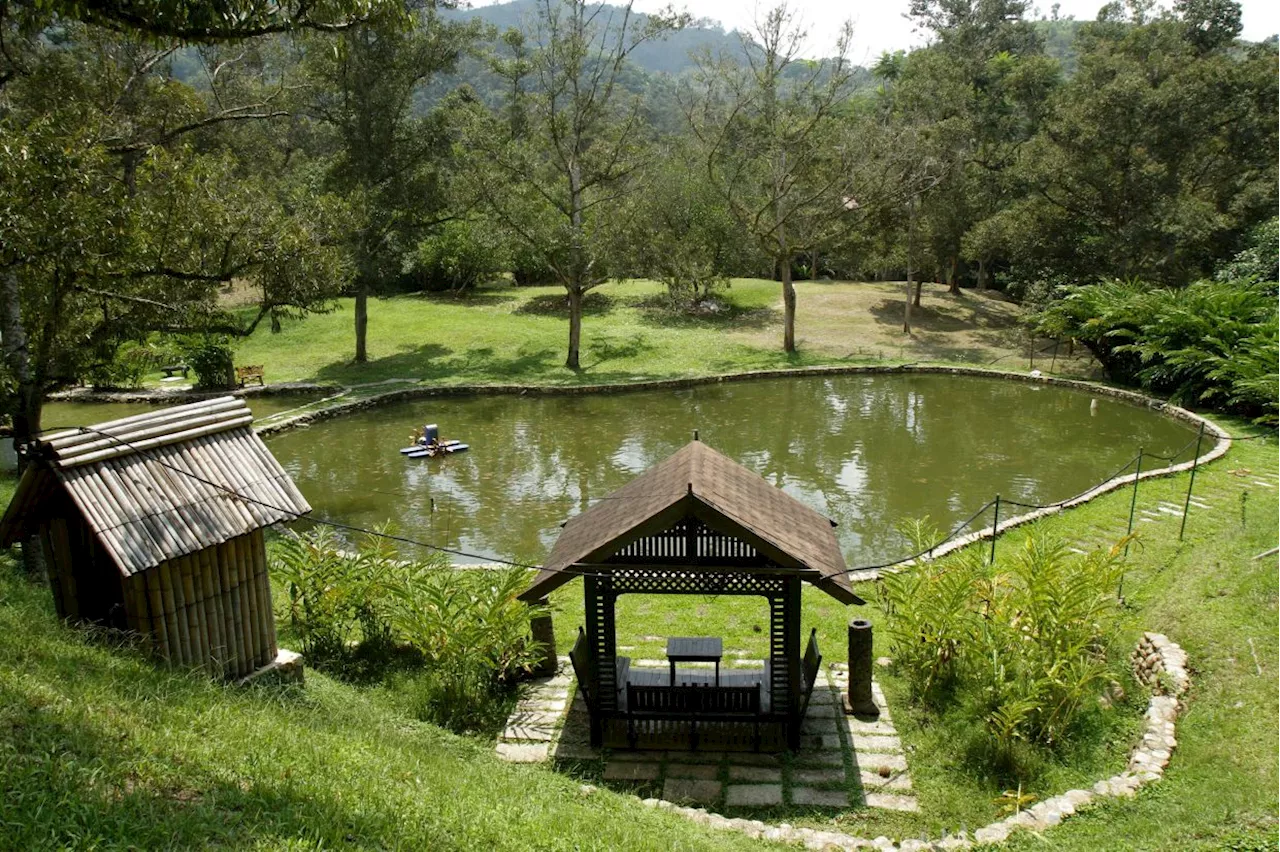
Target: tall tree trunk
x,y
813,265
953,281
575,327
911,233
919,287
27,408
362,319
982,274
788,310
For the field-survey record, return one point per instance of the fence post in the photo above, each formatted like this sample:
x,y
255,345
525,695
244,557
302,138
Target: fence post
x,y
995,529
1186,507
1133,503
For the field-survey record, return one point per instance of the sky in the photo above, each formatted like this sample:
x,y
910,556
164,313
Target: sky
x,y
879,25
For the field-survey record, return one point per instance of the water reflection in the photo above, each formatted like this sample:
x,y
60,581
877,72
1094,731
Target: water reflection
x,y
870,451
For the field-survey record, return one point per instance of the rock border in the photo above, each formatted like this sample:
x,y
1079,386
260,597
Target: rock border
x,y
1158,662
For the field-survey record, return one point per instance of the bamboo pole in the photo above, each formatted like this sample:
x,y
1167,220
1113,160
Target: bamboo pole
x,y
238,609
176,614
155,599
251,598
149,443
213,612
260,557
55,571
71,437
225,584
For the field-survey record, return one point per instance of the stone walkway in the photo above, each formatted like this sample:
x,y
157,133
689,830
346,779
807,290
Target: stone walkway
x,y
843,761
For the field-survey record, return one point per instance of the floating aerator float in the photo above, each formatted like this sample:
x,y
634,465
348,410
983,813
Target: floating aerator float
x,y
428,444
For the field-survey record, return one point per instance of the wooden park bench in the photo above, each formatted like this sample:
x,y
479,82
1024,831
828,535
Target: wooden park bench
x,y
173,369
686,703
247,374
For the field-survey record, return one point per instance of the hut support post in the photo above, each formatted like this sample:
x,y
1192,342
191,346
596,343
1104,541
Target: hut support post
x,y
543,632
859,701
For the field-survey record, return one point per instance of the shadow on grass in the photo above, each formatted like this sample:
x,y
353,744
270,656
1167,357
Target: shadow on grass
x,y
661,312
557,305
472,297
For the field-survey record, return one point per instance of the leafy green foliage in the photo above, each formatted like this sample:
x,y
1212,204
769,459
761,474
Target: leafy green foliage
x,y
461,637
1021,644
1211,342
460,255
211,359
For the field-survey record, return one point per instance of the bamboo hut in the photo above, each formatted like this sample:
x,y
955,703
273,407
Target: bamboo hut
x,y
153,524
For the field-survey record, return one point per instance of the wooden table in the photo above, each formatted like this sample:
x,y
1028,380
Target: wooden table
x,y
694,649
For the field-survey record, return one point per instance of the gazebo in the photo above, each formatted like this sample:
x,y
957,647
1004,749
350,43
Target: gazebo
x,y
697,523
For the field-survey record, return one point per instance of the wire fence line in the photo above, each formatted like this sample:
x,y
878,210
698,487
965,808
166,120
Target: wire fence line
x,y
954,540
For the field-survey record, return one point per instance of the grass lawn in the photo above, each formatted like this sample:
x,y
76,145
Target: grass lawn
x,y
100,748
1206,593
518,334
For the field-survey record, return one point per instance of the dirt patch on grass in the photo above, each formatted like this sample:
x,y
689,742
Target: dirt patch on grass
x,y
864,320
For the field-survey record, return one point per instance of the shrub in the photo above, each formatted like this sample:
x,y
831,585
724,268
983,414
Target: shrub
x,y
1021,644
210,358
1211,342
462,634
459,256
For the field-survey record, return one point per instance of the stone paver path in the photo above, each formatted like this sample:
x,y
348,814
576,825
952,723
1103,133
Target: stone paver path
x,y
844,761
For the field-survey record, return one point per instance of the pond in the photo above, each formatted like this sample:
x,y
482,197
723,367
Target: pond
x,y
870,451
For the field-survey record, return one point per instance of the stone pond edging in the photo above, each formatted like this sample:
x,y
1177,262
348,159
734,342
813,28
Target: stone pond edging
x,y
1158,662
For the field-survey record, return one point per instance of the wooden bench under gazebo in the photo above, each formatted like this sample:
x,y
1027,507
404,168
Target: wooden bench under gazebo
x,y
698,523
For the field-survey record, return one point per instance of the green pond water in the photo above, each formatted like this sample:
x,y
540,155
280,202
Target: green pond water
x,y
869,451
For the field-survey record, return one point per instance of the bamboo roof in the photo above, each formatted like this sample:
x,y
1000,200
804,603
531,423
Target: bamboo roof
x,y
699,482
160,485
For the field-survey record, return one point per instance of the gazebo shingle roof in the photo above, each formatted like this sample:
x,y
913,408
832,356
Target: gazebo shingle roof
x,y
697,479
160,485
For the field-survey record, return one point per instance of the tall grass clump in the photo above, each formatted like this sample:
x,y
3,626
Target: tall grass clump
x,y
1018,648
451,643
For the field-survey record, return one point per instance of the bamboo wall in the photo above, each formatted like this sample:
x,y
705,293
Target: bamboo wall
x,y
209,609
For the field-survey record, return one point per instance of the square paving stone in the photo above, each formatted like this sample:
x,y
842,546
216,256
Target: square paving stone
x,y
651,756
892,802
522,752
695,756
820,758
755,773
575,751
753,759
897,782
539,733
877,744
873,728
706,772
817,776
818,726
822,711
630,771
753,795
871,762
691,790
819,798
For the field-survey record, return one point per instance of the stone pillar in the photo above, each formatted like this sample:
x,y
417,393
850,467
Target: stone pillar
x,y
858,701
541,628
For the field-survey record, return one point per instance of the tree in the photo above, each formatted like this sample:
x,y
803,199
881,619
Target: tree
x,y
773,144
107,242
1154,161
559,176
387,159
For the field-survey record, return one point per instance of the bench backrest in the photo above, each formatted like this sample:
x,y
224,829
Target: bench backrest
x,y
809,667
580,657
248,372
689,699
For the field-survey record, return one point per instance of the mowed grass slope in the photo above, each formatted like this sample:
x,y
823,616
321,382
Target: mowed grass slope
x,y
101,749
504,334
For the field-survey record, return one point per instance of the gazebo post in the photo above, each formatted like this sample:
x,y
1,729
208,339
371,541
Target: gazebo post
x,y
791,628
